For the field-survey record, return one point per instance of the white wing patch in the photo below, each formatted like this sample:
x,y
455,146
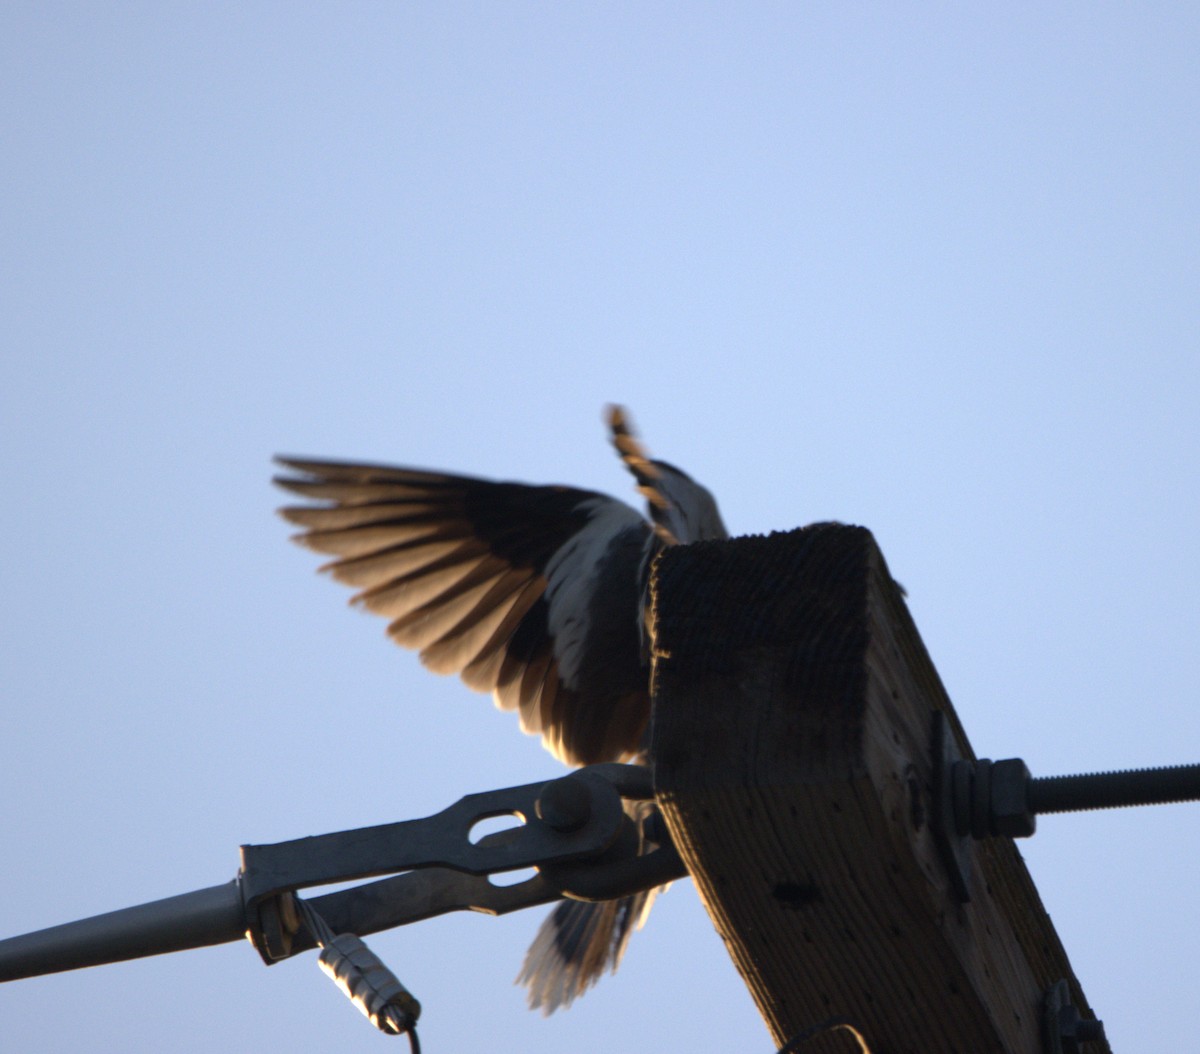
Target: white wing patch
x,y
570,579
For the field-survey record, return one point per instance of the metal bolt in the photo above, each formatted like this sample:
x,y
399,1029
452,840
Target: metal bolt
x,y
1109,790
565,804
1001,797
1074,1030
1066,1029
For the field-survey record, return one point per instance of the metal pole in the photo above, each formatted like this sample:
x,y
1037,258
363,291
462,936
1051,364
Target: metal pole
x,y
190,920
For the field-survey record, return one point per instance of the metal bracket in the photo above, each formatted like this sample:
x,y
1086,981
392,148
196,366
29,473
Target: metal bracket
x,y
1064,1029
955,850
270,873
572,824
604,869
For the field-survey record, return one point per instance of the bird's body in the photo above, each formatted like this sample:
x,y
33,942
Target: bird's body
x,y
534,593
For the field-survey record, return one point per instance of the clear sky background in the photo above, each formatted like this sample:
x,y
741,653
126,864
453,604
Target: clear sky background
x,y
928,268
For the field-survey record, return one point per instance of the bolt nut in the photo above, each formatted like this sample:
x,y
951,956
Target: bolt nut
x,y
565,804
1074,1031
1066,1030
1009,790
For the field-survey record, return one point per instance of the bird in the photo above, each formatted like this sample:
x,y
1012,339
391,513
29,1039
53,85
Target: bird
x,y
537,594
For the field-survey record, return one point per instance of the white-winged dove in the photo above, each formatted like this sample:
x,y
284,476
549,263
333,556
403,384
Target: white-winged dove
x,y
534,593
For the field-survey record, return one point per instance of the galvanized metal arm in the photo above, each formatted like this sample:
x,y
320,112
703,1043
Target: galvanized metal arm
x,y
574,829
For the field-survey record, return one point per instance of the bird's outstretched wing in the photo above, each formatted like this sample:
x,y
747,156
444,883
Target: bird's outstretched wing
x,y
531,593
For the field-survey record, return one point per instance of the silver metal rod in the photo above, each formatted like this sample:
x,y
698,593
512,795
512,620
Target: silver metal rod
x,y
191,920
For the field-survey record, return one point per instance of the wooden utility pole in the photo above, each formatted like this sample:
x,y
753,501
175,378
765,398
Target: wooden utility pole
x,y
793,707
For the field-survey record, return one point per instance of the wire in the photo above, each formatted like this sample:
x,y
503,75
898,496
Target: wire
x,y
317,926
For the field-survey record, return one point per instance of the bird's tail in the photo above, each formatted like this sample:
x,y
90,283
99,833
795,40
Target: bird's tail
x,y
576,944
580,940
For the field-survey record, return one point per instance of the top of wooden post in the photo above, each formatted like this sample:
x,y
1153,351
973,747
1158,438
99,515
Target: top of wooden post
x,y
793,709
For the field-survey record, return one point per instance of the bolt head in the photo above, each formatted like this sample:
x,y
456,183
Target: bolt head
x,y
565,804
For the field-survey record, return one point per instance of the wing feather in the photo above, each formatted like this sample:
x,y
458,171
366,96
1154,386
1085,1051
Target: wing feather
x,y
352,542
404,559
533,679
334,517
457,646
405,593
439,618
494,581
483,673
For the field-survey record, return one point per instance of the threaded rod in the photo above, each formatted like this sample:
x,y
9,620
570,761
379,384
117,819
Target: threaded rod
x,y
1111,790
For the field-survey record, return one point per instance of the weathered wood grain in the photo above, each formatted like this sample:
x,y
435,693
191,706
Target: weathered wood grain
x,y
793,703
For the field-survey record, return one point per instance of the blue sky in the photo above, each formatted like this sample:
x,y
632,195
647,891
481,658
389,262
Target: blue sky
x,y
928,268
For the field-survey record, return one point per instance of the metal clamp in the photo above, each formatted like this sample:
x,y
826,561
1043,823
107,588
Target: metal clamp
x,y
573,820
270,873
